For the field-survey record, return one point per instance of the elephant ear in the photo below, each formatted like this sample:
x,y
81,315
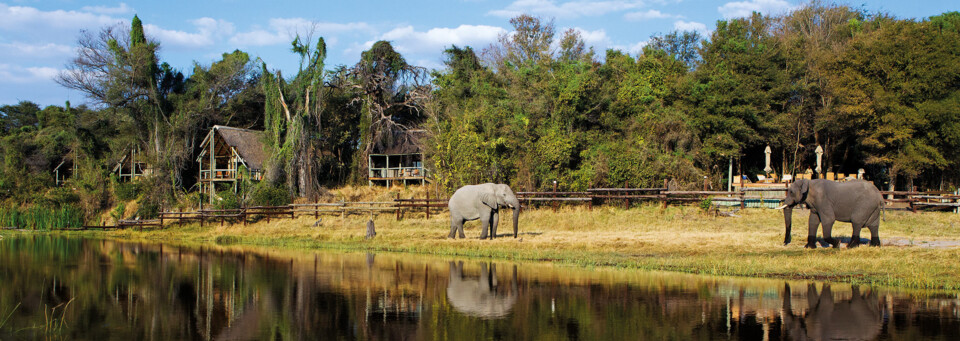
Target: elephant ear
x,y
489,199
804,188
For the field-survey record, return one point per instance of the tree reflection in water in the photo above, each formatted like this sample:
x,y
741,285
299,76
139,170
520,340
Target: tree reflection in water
x,y
152,291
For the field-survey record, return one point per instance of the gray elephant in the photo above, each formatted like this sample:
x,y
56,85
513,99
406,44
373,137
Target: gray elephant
x,y
859,318
857,202
482,202
481,297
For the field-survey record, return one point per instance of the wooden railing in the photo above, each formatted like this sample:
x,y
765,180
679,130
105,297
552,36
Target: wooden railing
x,y
744,198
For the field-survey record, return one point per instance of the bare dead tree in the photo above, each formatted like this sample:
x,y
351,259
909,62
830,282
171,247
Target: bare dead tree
x,y
393,94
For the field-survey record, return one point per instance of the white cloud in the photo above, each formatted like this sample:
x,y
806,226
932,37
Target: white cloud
x,y
207,34
637,49
283,30
681,25
633,49
121,9
18,74
598,39
28,19
34,51
430,64
746,8
408,40
569,9
649,14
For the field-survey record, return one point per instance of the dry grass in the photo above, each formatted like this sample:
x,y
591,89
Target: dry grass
x,y
676,239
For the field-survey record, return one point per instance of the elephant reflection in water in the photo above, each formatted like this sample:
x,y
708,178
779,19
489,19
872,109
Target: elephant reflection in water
x,y
480,297
859,318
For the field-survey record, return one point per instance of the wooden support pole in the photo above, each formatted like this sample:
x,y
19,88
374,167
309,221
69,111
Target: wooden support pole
x,y
427,206
398,209
626,202
554,195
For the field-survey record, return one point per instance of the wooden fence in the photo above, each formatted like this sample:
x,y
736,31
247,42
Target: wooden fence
x,y
768,197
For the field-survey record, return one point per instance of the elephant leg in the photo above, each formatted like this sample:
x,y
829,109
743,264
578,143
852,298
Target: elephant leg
x,y
494,221
484,225
814,222
828,232
456,223
855,237
875,234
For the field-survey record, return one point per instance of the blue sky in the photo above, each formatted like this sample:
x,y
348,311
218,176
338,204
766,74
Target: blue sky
x,y
37,38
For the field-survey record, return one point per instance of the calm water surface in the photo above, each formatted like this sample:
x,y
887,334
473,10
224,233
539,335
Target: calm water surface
x,y
68,288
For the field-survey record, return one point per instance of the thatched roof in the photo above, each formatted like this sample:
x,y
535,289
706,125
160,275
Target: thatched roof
x,y
404,142
247,143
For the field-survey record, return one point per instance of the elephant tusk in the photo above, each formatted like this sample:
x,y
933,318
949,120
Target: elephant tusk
x,y
781,207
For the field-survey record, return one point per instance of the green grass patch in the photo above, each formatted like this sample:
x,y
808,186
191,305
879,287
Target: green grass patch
x,y
41,218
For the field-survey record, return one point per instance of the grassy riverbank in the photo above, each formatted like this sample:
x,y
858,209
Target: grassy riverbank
x,y
675,239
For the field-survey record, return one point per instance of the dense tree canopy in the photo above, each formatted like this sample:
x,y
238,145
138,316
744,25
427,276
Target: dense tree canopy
x,y
537,106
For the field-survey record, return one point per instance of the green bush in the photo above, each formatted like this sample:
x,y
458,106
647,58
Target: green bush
x,y
60,196
269,195
706,204
148,210
118,211
226,200
126,191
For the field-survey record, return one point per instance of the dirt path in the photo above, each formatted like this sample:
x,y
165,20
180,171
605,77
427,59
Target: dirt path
x,y
931,244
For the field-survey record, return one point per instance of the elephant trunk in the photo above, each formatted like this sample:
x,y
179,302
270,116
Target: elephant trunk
x,y
516,219
788,223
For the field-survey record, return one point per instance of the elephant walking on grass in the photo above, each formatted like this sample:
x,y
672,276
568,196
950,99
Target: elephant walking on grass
x,y
857,202
482,202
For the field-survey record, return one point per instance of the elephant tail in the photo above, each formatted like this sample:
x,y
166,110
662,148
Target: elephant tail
x,y
883,210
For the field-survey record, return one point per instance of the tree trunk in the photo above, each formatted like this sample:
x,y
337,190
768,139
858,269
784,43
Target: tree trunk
x,y
893,183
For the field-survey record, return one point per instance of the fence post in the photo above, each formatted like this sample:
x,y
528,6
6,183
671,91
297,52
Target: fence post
x,y
626,201
743,203
427,206
396,204
555,202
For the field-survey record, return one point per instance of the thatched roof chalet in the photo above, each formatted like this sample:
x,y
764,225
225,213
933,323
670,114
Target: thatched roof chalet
x,y
247,144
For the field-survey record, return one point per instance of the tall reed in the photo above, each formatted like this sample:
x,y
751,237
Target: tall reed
x,y
41,218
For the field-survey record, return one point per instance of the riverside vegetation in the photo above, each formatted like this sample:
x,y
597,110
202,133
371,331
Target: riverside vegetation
x,y
683,239
874,91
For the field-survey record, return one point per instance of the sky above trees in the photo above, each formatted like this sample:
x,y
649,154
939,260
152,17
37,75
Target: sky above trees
x,y
38,38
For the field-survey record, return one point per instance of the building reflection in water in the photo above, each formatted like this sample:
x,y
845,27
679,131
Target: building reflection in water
x,y
157,292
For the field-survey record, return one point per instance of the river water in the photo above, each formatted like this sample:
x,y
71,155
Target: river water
x,y
69,288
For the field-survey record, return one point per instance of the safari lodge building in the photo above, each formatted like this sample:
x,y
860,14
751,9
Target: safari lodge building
x,y
228,156
401,163
131,166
